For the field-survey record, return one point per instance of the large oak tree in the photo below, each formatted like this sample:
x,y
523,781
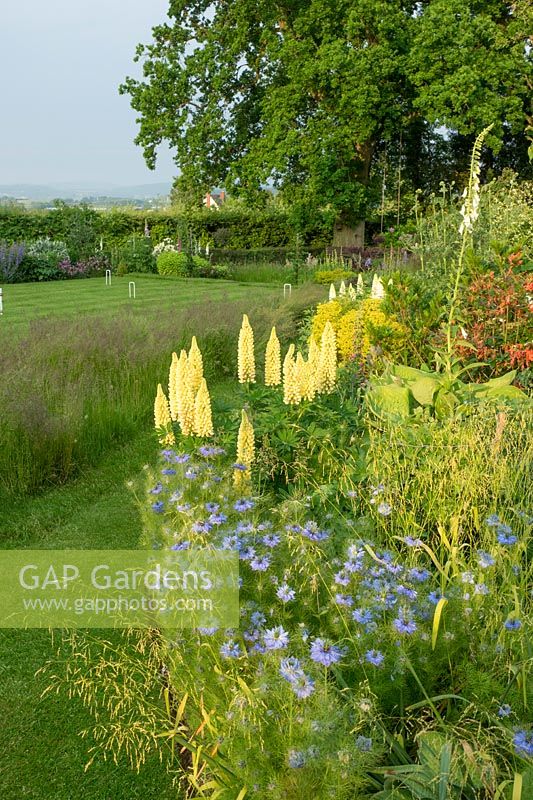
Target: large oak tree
x,y
304,93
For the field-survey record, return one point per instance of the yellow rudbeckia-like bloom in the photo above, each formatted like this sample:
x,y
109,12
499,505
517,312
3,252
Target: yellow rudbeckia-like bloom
x,y
291,384
203,422
162,420
246,356
245,450
273,360
195,366
327,369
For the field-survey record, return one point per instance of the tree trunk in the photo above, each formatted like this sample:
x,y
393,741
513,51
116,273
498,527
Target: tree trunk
x,y
353,234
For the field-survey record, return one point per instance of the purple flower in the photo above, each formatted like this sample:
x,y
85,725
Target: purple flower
x,y
492,520
241,467
303,686
506,538
384,509
271,540
435,596
158,488
168,471
181,546
285,593
362,615
404,591
201,527
167,454
275,638
363,743
344,600
374,657
218,519
404,625
410,542
182,458
191,474
296,759
290,669
212,507
504,711
325,653
419,575
158,507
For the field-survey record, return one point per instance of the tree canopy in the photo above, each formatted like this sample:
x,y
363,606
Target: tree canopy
x,y
305,94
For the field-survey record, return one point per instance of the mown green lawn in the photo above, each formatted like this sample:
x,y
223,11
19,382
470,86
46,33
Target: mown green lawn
x,y
28,301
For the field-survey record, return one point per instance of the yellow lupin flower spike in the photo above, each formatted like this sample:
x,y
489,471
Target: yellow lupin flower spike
x,y
173,387
327,370
246,356
195,366
313,366
273,360
301,373
245,450
162,420
203,422
291,385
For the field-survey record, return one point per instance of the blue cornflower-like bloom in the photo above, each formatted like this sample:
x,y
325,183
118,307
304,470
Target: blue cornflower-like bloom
x,y
158,488
265,526
275,638
183,507
435,596
342,578
481,588
247,554
467,577
411,542
209,450
484,559
244,527
212,507
492,520
523,743
175,497
404,625
240,467
158,507
290,669
207,631
182,458
325,653
243,505
384,509
201,527
168,471
230,649
504,710
296,759
419,575
303,686
260,563
363,743
512,624
191,474
311,531
167,454
257,618
362,615
231,543
217,519
374,657
181,546
285,593
271,540
505,538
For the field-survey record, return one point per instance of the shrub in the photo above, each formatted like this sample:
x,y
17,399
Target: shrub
x,y
172,263
42,259
137,255
327,276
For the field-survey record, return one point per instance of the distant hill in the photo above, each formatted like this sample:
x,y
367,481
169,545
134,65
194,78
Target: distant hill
x,y
78,190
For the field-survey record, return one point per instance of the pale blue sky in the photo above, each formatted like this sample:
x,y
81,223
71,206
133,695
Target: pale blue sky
x,y
61,118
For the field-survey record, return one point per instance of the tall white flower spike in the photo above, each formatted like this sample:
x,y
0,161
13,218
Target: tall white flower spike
x,y
332,292
360,288
342,289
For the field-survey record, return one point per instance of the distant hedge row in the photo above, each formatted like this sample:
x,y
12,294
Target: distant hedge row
x,y
240,229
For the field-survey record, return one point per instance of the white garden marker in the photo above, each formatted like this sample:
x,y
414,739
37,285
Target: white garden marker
x,y
1,302
108,277
131,289
287,290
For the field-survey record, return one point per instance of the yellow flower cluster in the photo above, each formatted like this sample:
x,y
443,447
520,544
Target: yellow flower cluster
x,y
162,420
189,403
359,326
273,360
245,451
304,379
246,356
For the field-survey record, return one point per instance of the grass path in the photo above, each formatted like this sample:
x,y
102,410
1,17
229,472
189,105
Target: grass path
x,y
42,756
29,301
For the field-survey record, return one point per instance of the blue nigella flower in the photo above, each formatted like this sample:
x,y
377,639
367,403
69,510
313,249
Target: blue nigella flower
x,y
167,454
484,559
240,467
374,657
243,505
411,542
271,540
257,618
344,599
260,563
158,488
363,743
512,624
506,538
285,593
362,615
275,638
325,653
303,686
504,711
492,520
419,575
384,509
523,743
404,625
191,474
435,596
181,546
296,759
182,458
218,519
158,507
230,649
212,507
290,668
168,471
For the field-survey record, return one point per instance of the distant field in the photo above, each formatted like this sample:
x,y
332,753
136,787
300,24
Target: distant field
x,y
28,301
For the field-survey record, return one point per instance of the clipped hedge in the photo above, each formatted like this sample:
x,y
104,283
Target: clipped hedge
x,y
228,229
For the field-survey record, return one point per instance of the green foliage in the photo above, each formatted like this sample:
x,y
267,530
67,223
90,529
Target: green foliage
x,y
327,276
136,255
310,91
174,264
402,391
42,259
